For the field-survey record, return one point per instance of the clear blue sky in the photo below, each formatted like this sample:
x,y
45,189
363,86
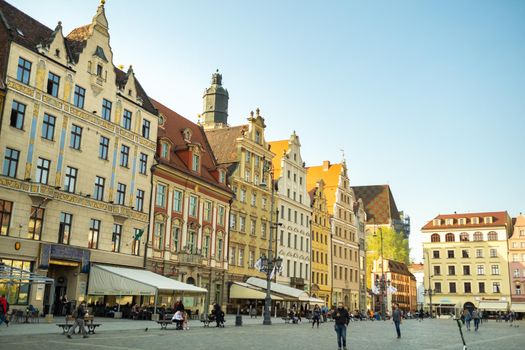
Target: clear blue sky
x,y
427,96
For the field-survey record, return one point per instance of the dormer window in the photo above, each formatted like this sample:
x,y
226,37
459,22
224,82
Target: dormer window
x,y
164,150
99,70
186,133
195,162
462,221
487,219
437,222
222,176
449,221
474,220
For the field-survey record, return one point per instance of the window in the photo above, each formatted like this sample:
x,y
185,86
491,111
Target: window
x,y
121,193
164,150
437,287
254,199
481,270
139,200
34,231
53,81
481,287
79,97
42,170
479,253
251,259
206,246
116,238
243,195
434,238
263,229
282,211
437,270
494,269
242,223
516,273
24,71
207,211
467,287
232,255
76,137
435,254
247,175
452,287
106,109
517,289
463,237
241,257
48,127
18,112
492,236
450,254
219,249
99,70
193,206
126,120
98,193
195,162
192,241
177,201
158,235
451,270
176,238
5,216
466,270
145,128
493,253
94,232
478,236
257,136
464,253
222,176
135,247
143,163
64,229
221,212
17,293
496,287
449,237
253,226
11,162
233,221
103,148
161,196
124,156
70,182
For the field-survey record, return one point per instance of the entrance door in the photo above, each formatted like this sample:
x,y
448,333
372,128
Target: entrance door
x,y
60,291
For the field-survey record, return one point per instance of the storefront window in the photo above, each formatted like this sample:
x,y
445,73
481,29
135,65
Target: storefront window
x,y
16,293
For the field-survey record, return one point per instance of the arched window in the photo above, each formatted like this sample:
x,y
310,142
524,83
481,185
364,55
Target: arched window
x,y
434,238
478,236
449,237
463,237
493,236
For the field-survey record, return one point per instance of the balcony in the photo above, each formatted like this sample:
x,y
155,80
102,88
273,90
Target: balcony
x,y
191,259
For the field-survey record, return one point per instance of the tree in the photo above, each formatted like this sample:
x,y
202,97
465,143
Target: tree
x,y
395,247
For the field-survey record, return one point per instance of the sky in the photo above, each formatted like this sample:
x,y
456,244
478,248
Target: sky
x,y
426,96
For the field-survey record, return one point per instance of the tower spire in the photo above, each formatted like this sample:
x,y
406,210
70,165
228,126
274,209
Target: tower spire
x,y
215,104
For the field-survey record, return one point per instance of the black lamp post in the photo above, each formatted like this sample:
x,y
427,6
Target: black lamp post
x,y
382,283
429,291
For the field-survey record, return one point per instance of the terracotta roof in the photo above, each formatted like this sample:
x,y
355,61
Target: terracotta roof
x,y
417,267
499,218
173,126
399,267
30,33
223,142
279,148
330,175
380,206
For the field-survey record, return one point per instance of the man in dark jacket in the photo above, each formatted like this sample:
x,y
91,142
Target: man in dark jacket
x,y
78,315
396,318
341,318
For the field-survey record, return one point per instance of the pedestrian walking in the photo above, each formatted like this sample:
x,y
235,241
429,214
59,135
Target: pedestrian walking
x,y
341,318
421,315
316,316
4,308
397,319
78,315
468,318
475,316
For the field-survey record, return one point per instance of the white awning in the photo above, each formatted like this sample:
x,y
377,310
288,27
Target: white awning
x,y
288,293
111,280
493,305
517,307
316,301
239,290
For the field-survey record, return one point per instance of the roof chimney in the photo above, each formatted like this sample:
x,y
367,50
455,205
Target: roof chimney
x,y
326,165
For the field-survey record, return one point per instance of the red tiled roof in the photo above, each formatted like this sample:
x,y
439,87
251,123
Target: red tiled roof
x,y
173,126
499,218
380,206
223,142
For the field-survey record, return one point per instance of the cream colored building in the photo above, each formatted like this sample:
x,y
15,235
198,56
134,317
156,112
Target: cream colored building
x,y
466,261
293,203
77,140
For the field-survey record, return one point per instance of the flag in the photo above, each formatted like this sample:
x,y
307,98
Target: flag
x,y
138,234
392,290
375,290
273,273
258,265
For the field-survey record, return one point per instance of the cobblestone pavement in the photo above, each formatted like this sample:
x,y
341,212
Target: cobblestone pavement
x,y
429,334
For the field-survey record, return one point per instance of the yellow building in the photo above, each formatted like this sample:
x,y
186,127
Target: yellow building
x,y
244,152
467,263
77,141
321,243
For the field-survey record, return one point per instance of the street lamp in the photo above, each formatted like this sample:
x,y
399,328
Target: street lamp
x,y
381,282
269,263
429,291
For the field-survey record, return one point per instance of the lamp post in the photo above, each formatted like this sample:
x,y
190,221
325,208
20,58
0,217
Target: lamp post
x,y
429,290
381,282
269,263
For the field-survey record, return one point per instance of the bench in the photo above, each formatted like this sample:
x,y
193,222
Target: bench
x,y
164,324
88,322
205,322
289,320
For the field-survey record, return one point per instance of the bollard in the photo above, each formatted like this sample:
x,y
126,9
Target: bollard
x,y
238,317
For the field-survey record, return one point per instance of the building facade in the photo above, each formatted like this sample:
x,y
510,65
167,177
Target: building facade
x,y
346,215
418,270
78,138
517,265
188,237
321,278
243,151
400,288
466,259
293,203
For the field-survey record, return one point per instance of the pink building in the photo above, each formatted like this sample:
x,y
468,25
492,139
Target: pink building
x,y
517,265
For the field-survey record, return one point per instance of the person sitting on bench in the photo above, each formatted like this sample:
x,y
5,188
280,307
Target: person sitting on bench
x,y
178,319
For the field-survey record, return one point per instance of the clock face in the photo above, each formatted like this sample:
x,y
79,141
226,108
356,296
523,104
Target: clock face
x,y
18,245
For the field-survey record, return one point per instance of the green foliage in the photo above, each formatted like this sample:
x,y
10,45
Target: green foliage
x,y
395,247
